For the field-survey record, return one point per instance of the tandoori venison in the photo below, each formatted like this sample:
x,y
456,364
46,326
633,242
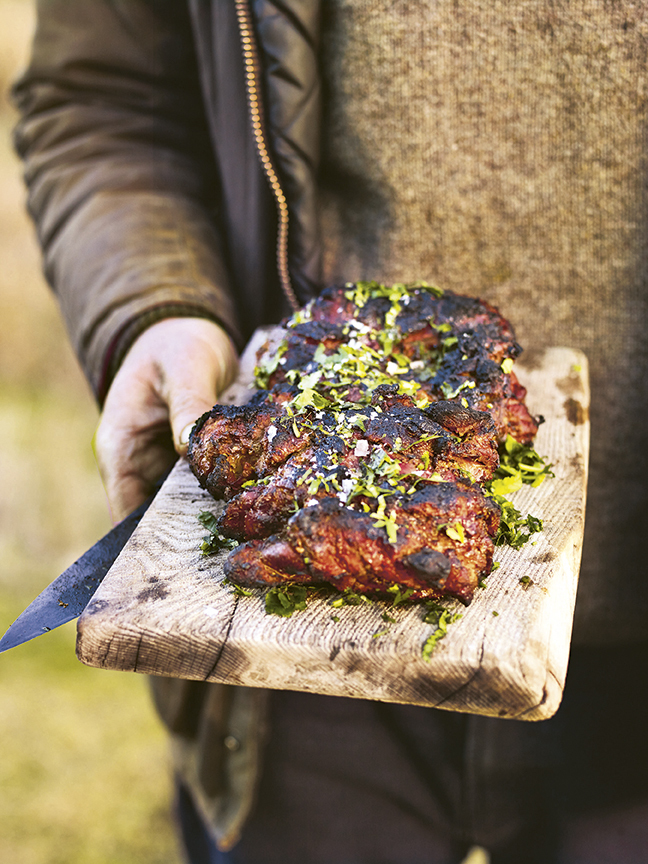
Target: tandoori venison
x,y
359,460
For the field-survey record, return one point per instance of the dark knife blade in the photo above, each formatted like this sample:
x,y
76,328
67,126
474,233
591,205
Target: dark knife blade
x,y
68,595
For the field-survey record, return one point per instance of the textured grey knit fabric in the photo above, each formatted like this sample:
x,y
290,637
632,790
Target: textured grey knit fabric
x,y
500,149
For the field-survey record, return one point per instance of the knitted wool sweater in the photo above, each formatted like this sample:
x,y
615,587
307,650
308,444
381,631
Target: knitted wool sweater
x,y
499,149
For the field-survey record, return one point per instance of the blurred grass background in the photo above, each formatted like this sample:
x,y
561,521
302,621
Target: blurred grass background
x,y
83,763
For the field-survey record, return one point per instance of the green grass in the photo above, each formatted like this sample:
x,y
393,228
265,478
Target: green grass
x,y
84,777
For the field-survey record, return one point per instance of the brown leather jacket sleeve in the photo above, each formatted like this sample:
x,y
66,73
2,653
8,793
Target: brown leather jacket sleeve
x,y
122,184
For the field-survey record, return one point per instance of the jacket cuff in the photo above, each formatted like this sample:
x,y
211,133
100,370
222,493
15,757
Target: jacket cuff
x,y
125,260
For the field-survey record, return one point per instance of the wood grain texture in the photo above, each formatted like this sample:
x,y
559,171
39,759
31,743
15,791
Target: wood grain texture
x,y
163,609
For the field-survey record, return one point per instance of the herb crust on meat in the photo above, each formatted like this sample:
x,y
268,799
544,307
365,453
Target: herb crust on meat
x,y
361,460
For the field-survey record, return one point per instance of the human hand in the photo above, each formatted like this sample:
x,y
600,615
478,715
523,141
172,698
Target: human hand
x,y
171,375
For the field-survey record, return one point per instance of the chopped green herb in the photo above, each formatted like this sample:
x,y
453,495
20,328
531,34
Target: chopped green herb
x,y
400,596
283,600
309,398
214,541
519,465
450,392
208,521
386,520
521,462
263,372
512,525
506,485
456,532
441,617
349,598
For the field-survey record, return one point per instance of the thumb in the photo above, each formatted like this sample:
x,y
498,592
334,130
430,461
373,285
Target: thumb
x,y
183,414
191,387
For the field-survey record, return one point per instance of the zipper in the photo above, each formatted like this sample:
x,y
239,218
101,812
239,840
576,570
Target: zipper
x,y
253,91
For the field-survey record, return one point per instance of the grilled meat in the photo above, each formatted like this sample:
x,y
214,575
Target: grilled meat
x,y
359,464
267,469
453,348
443,546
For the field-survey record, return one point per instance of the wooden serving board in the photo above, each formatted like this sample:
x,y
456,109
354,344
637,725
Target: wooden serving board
x,y
163,608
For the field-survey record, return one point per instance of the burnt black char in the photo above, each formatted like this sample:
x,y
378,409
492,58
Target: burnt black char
x,y
380,489
328,542
484,340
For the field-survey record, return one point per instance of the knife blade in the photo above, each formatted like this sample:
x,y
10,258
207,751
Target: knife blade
x,y
67,596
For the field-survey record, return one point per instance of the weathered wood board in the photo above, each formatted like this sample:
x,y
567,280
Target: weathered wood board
x,y
163,609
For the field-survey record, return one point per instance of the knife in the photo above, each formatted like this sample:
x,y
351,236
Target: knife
x,y
68,595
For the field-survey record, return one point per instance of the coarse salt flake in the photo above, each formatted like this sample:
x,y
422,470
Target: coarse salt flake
x,y
271,432
361,448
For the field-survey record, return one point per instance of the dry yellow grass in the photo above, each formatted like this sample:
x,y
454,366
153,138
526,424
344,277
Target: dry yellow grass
x,y
83,770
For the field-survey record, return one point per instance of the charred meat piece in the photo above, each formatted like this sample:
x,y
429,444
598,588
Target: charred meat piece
x,y
467,446
359,460
362,453
229,442
443,546
444,345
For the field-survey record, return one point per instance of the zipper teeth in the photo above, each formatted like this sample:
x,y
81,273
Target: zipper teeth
x,y
253,89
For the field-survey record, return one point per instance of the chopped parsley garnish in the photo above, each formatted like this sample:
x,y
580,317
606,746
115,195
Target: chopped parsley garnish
x,y
519,465
349,598
238,590
456,532
270,363
441,617
283,600
401,595
214,541
515,529
450,392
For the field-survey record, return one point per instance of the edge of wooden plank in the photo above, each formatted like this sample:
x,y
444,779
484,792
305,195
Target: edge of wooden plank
x,y
476,677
